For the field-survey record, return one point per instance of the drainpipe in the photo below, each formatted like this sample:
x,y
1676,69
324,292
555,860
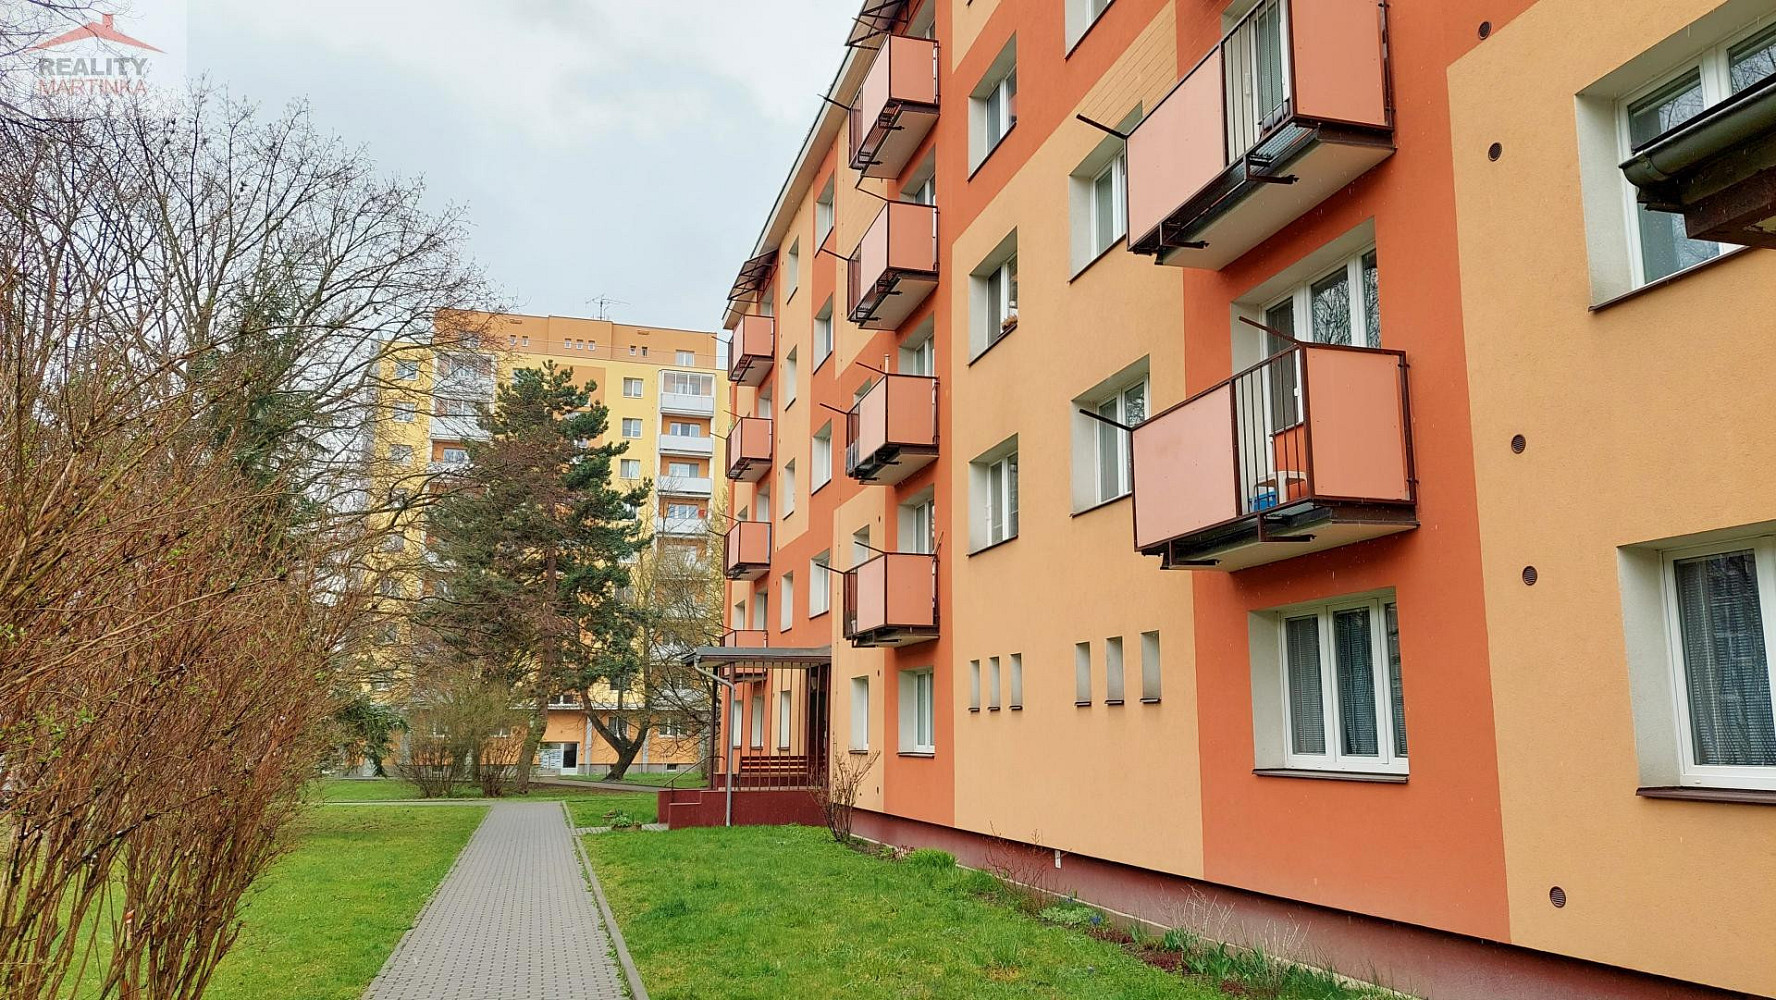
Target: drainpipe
x,y
728,808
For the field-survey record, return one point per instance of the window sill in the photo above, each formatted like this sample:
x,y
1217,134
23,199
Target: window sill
x,y
1635,293
1365,776
1017,708
1112,701
926,754
1101,504
1149,701
987,156
974,711
1119,241
817,489
1082,704
992,708
1083,35
1742,796
989,548
812,615
861,752
1004,335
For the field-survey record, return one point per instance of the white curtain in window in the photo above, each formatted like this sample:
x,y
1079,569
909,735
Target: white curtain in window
x,y
1725,661
1357,723
1307,711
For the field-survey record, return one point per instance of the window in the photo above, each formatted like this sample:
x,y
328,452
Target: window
x,y
1658,240
1017,682
632,427
1109,209
993,297
823,214
1081,15
1101,444
632,388
1082,673
823,335
994,478
1113,677
405,412
683,470
792,270
735,721
407,371
860,547
758,722
993,105
687,383
918,524
1343,704
1722,605
786,603
678,428
820,584
400,453
783,719
993,684
918,356
454,454
788,481
1002,300
921,189
822,454
449,406
683,511
1150,675
974,685
918,711
686,359
860,713
789,379
1342,306
630,468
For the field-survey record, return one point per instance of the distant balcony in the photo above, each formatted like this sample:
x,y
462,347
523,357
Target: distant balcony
x,y
754,351
1717,170
1289,107
746,550
701,445
686,404
685,486
896,106
681,527
746,638
891,600
894,267
749,449
892,431
1309,450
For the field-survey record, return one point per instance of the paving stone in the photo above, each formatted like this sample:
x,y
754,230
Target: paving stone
x,y
513,920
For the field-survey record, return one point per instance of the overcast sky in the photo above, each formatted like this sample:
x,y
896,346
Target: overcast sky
x,y
601,147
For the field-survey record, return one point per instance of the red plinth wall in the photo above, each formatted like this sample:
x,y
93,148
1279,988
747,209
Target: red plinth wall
x,y
686,807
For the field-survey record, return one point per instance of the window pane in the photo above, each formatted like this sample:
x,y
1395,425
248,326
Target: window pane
x,y
1726,672
995,502
1109,453
1665,109
1104,209
1665,248
1283,387
1332,309
1011,500
1372,299
1396,693
1752,60
1270,72
1357,725
1134,404
1307,710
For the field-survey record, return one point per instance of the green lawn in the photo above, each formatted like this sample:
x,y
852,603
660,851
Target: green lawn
x,y
394,789
773,912
678,779
320,923
589,810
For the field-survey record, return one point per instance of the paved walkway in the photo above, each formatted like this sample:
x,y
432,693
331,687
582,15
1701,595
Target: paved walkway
x,y
512,921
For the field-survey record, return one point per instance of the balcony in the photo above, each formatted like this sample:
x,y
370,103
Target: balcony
x,y
1717,170
685,486
749,449
687,404
892,431
746,550
1289,107
681,527
894,267
1309,450
891,600
896,106
746,638
754,351
700,446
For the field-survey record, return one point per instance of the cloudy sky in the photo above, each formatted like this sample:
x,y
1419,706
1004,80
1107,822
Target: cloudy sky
x,y
601,147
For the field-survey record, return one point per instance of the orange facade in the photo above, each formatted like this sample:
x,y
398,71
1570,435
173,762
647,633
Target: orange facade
x,y
1159,566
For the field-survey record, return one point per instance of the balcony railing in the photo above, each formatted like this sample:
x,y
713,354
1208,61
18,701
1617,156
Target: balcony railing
x,y
701,445
1290,106
754,350
892,431
749,449
891,600
746,550
896,106
687,404
746,638
1308,450
686,486
681,527
894,267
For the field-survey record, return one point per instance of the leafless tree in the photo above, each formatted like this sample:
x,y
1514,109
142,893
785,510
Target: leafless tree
x,y
837,799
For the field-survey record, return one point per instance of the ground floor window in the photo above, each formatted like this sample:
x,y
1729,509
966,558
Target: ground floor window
x,y
1720,601
918,711
1343,703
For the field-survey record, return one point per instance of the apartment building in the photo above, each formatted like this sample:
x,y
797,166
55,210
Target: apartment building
x,y
1296,462
661,388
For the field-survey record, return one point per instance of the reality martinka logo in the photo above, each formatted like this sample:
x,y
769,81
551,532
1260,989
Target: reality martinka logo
x,y
135,52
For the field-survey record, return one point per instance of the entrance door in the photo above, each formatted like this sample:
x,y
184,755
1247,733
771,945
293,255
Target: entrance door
x,y
570,757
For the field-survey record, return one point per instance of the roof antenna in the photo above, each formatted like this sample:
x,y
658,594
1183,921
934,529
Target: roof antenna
x,y
601,304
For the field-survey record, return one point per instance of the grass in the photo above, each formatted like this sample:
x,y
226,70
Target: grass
x,y
320,923
395,790
590,810
771,912
678,779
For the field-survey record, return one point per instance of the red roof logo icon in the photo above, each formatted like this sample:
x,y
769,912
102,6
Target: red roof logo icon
x,y
105,31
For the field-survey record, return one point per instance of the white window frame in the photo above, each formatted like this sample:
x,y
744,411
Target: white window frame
x,y
789,379
685,359
1117,175
633,388
629,422
1333,760
1001,299
1118,401
820,585
792,270
1300,299
785,714
629,468
758,721
821,452
682,470
1690,773
1001,503
823,335
687,383
824,213
918,711
860,714
787,489
786,602
406,413
998,112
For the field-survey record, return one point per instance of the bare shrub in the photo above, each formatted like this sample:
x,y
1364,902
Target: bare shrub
x,y
838,797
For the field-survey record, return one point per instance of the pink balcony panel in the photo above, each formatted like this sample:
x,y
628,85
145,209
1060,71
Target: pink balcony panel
x,y
749,449
894,267
892,431
896,106
754,349
746,638
746,550
1309,450
891,600
1289,107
